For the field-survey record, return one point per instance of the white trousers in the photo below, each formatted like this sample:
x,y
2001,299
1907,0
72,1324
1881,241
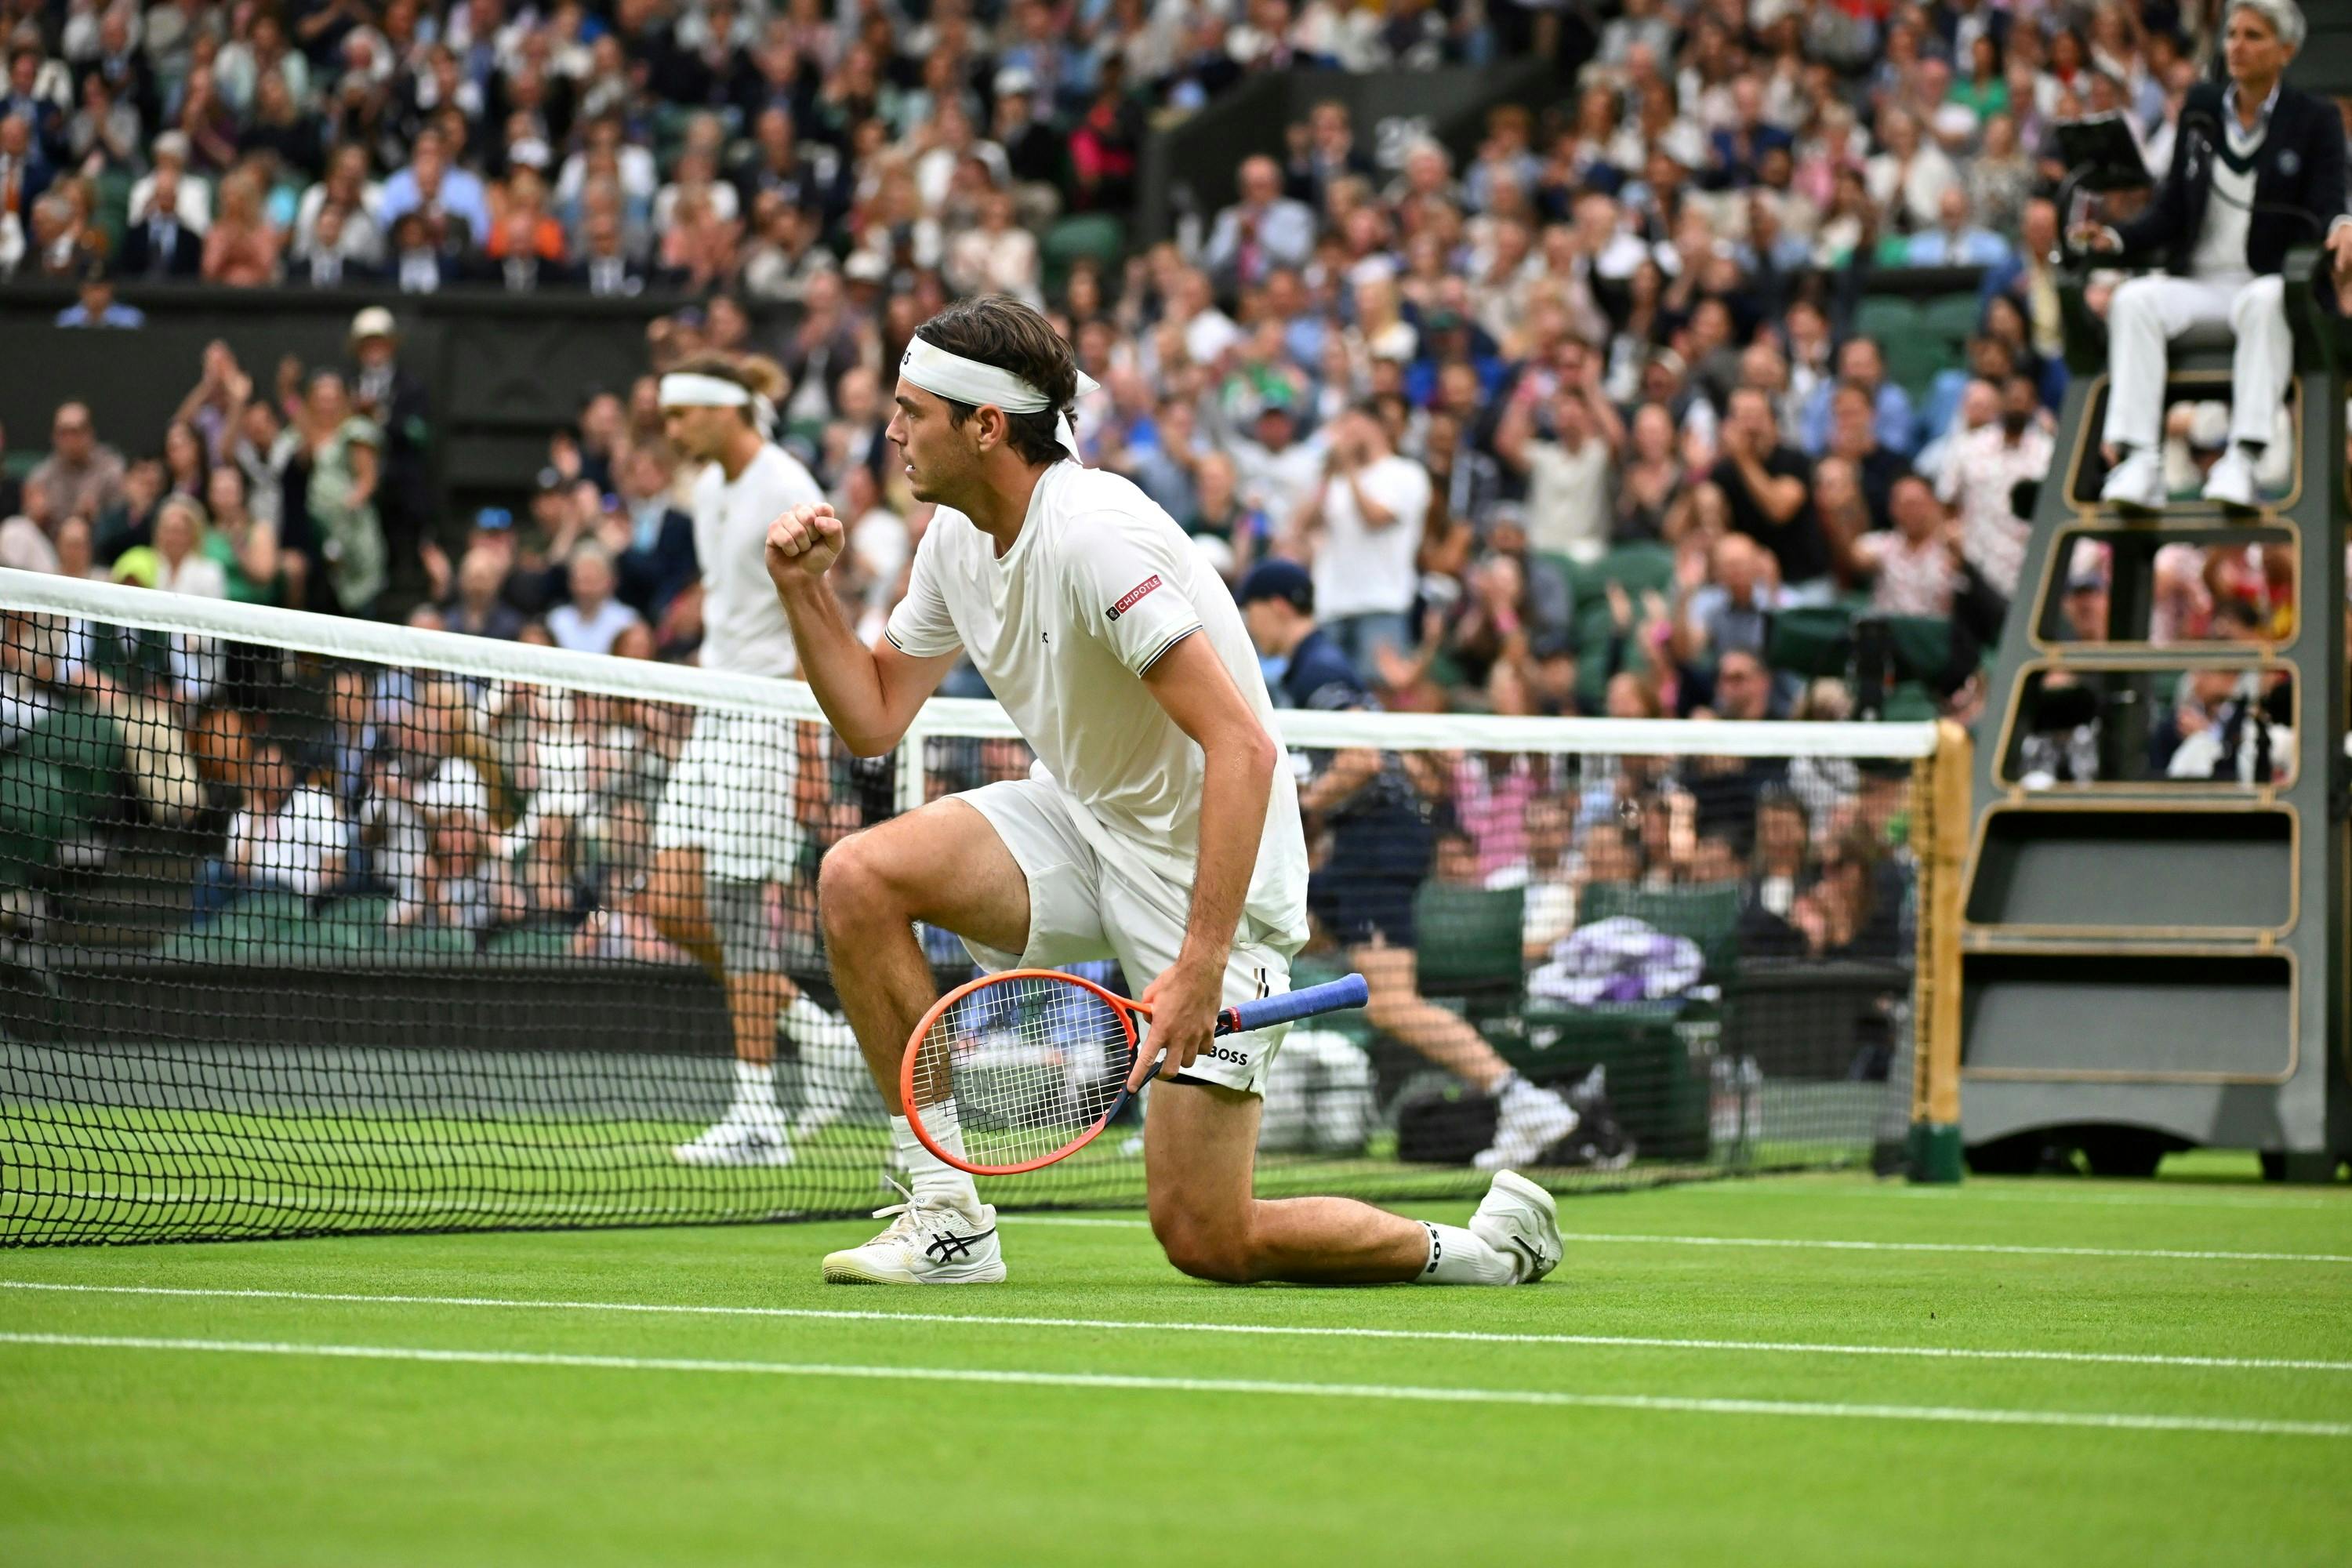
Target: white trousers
x,y
2149,314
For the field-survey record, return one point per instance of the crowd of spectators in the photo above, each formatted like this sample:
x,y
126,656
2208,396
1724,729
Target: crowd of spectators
x,y
1558,427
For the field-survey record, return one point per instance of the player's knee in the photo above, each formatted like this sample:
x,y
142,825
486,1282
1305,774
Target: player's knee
x,y
1206,1249
852,892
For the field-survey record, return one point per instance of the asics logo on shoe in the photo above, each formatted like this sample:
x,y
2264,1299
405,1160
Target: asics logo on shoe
x,y
953,1248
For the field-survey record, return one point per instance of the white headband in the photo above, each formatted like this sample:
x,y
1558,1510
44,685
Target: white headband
x,y
689,389
950,375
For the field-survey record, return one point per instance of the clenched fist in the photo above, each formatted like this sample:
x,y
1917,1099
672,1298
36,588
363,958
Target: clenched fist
x,y
803,541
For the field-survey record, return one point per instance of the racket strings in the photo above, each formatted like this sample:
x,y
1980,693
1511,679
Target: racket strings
x,y
1030,1065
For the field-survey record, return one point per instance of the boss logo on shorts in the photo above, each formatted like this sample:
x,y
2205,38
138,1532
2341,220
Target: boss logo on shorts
x,y
1133,595
1221,1054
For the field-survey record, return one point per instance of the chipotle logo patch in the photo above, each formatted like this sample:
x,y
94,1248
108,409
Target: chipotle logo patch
x,y
1133,595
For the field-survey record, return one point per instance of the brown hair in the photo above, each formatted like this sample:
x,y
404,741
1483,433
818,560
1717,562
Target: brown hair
x,y
1004,333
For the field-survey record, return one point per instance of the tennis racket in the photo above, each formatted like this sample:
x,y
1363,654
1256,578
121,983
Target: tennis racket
x,y
1027,1067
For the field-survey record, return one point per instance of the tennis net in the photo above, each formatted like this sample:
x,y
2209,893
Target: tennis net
x,y
309,925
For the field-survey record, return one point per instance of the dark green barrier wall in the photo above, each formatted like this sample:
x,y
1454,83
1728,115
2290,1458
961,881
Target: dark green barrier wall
x,y
502,371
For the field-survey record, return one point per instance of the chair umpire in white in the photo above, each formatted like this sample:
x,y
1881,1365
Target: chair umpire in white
x,y
2257,167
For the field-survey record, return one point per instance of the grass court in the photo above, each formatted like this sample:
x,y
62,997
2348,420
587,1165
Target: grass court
x,y
1801,1369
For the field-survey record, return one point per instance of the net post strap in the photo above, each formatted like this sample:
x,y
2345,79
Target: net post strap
x,y
1943,791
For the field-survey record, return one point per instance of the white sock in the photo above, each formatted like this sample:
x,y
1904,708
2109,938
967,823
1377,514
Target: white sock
x,y
807,1023
832,1067
755,1092
1515,1093
935,1181
1456,1257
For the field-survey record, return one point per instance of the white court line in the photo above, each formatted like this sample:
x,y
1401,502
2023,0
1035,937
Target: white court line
x,y
1953,1414
1810,1242
2003,1248
1432,1336
497,1208
392,1202
1974,1193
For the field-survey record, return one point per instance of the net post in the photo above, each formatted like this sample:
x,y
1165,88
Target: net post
x,y
1942,785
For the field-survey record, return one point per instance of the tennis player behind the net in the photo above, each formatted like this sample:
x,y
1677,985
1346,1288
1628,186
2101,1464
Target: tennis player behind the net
x,y
730,824
1160,827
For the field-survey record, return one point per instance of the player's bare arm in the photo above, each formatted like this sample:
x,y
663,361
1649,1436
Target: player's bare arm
x,y
1192,686
870,694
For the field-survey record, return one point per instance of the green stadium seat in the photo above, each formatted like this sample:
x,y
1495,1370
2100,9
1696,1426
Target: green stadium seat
x,y
356,924
1596,622
1952,317
1659,1090
1910,702
273,928
57,783
1594,635
1638,568
76,739
1447,671
1469,945
1914,362
208,944
529,944
111,209
1099,237
1886,319
37,815
430,941
1913,349
1707,915
1922,644
270,905
1571,572
1811,642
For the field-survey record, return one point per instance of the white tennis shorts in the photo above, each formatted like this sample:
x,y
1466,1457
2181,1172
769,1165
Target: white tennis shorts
x,y
731,796
1086,903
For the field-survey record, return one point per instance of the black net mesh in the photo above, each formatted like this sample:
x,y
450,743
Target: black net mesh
x,y
295,941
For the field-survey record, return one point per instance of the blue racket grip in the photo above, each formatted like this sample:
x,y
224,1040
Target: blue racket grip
x,y
1331,997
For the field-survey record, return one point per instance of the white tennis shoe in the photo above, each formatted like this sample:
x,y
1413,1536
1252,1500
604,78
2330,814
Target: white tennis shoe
x,y
1527,1120
1519,1220
926,1244
739,1141
2136,482
2231,482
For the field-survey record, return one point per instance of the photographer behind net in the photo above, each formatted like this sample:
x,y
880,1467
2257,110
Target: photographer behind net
x,y
2256,168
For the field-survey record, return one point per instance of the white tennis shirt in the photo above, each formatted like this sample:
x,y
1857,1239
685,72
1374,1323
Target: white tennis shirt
x,y
1099,584
743,627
